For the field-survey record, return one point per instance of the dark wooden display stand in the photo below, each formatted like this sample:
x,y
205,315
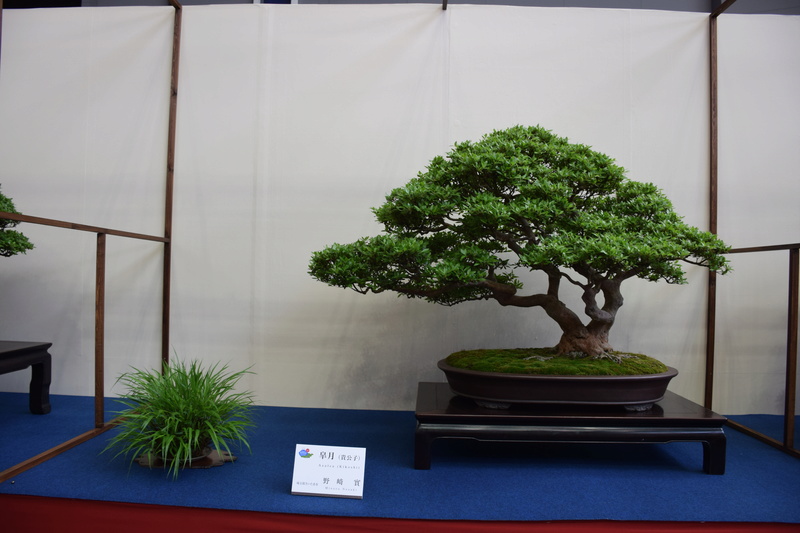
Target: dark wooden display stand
x,y
21,355
442,414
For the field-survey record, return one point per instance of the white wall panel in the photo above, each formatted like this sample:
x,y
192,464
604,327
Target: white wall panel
x,y
759,184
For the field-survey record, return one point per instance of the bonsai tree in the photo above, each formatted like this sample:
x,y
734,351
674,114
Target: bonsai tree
x,y
176,416
12,242
524,199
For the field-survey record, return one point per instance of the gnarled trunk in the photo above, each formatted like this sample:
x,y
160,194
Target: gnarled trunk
x,y
584,340
591,339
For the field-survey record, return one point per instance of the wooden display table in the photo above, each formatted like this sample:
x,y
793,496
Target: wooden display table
x,y
442,414
21,355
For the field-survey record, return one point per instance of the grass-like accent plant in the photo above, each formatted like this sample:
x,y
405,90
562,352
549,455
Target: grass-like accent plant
x,y
176,414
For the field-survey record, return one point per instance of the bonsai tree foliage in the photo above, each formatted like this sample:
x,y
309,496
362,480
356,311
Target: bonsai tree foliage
x,y
12,242
523,199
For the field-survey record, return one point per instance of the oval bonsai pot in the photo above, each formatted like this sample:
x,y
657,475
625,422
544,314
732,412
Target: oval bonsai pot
x,y
638,391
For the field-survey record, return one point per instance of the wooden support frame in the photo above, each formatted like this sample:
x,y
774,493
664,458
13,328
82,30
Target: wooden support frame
x,y
713,188
787,444
713,146
170,184
1,27
100,331
100,269
790,399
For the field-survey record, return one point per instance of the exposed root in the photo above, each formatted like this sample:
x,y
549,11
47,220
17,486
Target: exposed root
x,y
536,358
617,357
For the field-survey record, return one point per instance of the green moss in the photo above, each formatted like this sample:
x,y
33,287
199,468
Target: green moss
x,y
545,361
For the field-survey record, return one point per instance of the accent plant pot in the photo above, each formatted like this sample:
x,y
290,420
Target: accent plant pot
x,y
500,390
205,458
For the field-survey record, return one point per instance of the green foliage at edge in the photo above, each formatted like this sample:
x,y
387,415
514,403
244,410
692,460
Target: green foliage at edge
x,y
175,414
544,361
12,242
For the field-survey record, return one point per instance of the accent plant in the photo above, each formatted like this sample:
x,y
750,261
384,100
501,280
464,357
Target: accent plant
x,y
524,199
178,414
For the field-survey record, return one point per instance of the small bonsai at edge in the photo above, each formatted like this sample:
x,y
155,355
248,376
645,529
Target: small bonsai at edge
x,y
12,242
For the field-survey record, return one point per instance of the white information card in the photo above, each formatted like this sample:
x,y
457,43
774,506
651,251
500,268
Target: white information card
x,y
335,471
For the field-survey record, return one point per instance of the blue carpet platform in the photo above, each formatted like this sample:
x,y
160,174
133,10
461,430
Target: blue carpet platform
x,y
467,481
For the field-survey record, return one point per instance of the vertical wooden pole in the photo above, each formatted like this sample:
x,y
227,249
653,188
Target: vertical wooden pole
x,y
711,339
1,26
173,107
99,331
791,348
711,296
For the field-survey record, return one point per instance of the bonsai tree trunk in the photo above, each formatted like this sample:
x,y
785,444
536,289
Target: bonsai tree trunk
x,y
591,339
586,341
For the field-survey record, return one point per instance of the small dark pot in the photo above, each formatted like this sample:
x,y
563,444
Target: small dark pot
x,y
197,455
488,388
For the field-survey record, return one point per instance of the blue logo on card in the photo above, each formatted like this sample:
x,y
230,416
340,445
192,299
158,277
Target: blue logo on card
x,y
305,454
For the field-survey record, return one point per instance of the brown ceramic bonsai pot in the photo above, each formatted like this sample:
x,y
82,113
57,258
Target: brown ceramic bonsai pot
x,y
494,389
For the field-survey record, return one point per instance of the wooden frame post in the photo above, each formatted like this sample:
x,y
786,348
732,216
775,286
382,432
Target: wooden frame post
x,y
711,295
99,332
790,398
170,184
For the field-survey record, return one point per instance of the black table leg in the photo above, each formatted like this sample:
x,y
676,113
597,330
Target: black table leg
x,y
422,450
16,355
39,398
714,451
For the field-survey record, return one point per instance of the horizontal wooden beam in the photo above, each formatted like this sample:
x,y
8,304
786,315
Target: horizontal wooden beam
x,y
775,443
79,227
770,248
722,8
52,452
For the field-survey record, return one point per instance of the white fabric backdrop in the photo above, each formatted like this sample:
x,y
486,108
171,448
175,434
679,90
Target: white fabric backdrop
x,y
759,190
293,122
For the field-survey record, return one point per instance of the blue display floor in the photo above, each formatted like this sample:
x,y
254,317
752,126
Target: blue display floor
x,y
468,480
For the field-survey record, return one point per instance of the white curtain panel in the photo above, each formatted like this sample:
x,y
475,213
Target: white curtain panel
x,y
294,121
759,69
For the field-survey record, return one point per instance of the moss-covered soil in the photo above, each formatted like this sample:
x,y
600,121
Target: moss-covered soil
x,y
545,361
